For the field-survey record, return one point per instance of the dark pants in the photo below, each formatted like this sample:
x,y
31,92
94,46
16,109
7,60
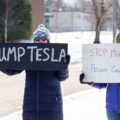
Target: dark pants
x,y
42,115
113,114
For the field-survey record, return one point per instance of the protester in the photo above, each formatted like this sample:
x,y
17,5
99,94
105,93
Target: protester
x,y
112,94
42,96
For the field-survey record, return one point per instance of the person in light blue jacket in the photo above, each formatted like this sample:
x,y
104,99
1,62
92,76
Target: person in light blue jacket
x,y
112,97
112,94
42,96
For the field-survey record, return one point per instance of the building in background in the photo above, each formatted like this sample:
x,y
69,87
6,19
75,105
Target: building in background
x,y
63,20
71,21
37,12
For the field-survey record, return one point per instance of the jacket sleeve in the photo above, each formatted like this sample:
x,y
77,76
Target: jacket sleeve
x,y
11,72
62,75
99,85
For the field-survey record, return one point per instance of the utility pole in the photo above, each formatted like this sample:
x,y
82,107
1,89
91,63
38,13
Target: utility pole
x,y
114,19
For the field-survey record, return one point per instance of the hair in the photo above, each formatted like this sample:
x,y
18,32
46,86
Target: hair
x,y
48,41
117,39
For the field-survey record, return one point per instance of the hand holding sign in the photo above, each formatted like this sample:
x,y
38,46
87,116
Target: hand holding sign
x,y
67,59
101,63
82,76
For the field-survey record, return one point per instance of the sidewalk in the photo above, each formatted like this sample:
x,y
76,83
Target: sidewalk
x,y
84,105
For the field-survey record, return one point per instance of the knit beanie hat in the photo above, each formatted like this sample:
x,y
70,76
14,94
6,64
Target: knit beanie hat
x,y
41,32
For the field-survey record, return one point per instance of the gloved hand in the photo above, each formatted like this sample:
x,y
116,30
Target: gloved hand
x,y
82,75
67,58
63,74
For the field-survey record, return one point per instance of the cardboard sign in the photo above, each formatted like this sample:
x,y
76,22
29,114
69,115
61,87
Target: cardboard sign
x,y
33,56
101,63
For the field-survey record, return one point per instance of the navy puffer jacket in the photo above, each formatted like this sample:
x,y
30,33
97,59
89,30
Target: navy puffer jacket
x,y
112,94
42,97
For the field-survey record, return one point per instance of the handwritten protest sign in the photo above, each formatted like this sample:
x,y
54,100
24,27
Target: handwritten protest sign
x,y
33,56
101,63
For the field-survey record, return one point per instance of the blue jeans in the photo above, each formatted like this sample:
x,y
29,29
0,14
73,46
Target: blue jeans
x,y
113,114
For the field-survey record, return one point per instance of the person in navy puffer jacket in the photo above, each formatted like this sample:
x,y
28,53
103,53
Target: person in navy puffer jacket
x,y
112,94
42,96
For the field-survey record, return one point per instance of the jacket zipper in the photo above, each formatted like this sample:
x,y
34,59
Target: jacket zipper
x,y
37,95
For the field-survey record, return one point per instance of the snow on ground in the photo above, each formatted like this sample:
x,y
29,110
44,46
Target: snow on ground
x,y
75,41
85,105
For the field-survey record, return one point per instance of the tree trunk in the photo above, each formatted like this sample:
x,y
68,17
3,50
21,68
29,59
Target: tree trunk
x,y
118,25
1,38
97,36
6,22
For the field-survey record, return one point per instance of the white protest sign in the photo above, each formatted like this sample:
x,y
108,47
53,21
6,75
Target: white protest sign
x,y
101,63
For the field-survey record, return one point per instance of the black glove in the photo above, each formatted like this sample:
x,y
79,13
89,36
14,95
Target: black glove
x,y
67,58
82,75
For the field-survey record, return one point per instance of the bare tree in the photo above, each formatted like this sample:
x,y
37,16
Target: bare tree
x,y
118,14
101,10
53,5
49,5
80,5
6,21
